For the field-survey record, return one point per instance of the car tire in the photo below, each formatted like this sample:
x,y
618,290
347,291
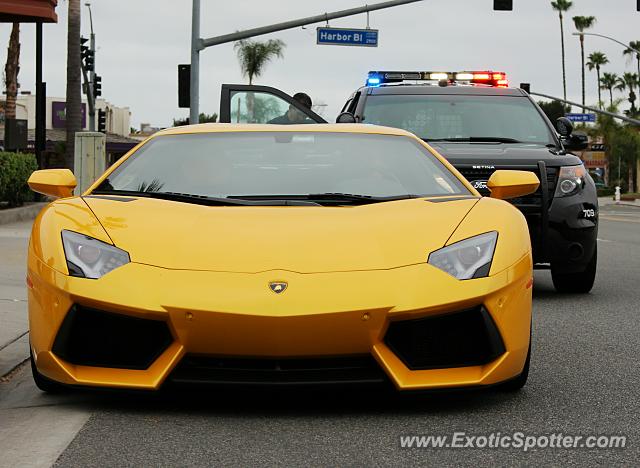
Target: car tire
x,y
43,383
576,283
518,382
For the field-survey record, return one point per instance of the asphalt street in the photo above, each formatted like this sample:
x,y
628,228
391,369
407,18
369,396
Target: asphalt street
x,y
584,380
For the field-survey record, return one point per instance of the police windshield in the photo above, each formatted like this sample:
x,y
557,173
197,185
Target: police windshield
x,y
494,119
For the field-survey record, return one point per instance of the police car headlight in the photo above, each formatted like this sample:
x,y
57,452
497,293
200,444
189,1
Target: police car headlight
x,y
469,258
571,180
90,258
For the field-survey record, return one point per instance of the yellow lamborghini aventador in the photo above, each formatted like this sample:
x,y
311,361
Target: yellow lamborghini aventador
x,y
264,254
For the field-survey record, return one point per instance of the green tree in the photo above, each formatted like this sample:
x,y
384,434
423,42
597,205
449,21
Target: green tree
x,y
11,71
596,60
73,105
581,23
609,81
634,49
254,55
204,118
624,147
628,81
554,109
561,6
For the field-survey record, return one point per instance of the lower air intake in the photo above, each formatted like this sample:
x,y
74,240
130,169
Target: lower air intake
x,y
458,339
90,337
286,371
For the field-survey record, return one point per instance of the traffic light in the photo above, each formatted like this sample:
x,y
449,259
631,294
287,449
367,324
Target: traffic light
x,y
88,58
97,86
638,5
504,5
184,85
102,121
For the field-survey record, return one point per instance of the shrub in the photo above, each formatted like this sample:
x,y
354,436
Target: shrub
x,y
15,169
606,191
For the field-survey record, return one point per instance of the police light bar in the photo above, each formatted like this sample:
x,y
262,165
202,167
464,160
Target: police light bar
x,y
481,77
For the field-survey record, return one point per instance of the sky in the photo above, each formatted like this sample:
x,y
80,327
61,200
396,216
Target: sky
x,y
141,42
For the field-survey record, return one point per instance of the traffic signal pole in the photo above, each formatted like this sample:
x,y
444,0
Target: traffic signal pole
x,y
198,44
194,91
92,75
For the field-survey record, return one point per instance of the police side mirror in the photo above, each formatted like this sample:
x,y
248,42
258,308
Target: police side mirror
x,y
577,141
346,117
564,126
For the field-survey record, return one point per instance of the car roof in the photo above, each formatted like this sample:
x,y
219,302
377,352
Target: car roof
x,y
319,128
444,90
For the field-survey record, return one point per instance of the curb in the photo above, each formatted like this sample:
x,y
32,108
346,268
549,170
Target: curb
x,y
22,213
14,354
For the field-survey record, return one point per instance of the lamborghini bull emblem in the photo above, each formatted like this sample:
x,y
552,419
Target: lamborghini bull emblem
x,y
278,286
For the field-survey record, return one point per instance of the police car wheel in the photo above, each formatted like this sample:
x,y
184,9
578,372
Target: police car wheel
x,y
577,283
43,383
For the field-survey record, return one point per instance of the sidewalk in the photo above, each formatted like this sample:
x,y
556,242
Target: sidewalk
x,y
604,201
14,339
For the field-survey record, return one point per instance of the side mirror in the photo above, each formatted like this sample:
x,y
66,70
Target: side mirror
x,y
564,126
57,183
346,117
577,141
511,184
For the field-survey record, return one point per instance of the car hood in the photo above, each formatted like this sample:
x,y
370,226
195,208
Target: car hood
x,y
501,154
304,239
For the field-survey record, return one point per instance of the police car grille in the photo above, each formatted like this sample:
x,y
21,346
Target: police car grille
x,y
526,203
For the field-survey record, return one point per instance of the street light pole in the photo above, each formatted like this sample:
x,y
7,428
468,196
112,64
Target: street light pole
x,y
626,46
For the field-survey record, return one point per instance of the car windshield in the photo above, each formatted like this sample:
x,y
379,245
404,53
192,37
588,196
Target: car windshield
x,y
499,119
236,164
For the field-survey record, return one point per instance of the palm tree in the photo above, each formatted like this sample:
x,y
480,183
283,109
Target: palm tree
x,y
628,81
74,102
634,49
609,81
561,6
254,55
581,23
596,60
11,70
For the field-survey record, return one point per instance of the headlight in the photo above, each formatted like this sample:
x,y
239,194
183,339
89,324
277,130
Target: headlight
x,y
470,258
570,180
90,258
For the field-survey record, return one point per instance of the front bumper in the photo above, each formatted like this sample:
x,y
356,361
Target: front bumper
x,y
573,231
321,315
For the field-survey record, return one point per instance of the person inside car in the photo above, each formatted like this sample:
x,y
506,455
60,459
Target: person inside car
x,y
293,115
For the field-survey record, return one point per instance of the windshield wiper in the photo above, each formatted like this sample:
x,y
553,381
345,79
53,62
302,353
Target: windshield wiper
x,y
335,198
478,139
176,196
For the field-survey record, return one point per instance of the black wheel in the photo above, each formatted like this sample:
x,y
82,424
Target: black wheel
x,y
43,383
578,283
518,382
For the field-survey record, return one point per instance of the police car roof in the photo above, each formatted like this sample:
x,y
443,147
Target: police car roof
x,y
425,88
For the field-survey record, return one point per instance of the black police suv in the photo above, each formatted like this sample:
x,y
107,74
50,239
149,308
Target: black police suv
x,y
480,125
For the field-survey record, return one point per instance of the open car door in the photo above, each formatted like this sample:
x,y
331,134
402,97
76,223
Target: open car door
x,y
262,104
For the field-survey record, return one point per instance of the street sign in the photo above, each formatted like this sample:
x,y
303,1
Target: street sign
x,y
581,117
347,37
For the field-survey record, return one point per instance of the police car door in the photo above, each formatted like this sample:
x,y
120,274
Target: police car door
x,y
261,104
